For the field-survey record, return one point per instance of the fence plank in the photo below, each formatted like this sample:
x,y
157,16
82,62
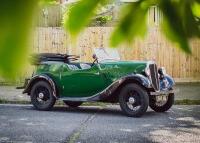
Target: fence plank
x,y
154,46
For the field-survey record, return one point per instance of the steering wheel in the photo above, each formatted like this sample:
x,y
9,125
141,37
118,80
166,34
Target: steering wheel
x,y
95,59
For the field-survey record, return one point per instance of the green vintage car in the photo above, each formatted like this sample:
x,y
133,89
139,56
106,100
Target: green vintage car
x,y
135,85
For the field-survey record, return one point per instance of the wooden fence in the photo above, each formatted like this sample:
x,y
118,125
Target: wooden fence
x,y
154,47
50,16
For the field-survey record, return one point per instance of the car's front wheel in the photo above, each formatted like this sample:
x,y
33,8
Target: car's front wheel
x,y
163,104
133,100
42,96
73,104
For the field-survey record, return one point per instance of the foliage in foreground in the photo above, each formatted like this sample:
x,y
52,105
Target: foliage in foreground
x,y
181,23
16,18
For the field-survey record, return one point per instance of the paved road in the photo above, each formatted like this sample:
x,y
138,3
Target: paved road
x,y
21,123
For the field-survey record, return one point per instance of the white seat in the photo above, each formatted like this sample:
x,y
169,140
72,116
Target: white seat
x,y
73,67
85,66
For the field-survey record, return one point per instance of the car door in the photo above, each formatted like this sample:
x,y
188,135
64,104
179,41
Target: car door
x,y
82,82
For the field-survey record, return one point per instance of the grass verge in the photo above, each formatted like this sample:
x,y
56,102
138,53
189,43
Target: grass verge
x,y
3,101
187,102
177,102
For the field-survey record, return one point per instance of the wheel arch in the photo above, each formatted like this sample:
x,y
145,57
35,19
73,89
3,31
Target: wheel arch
x,y
129,81
136,78
45,78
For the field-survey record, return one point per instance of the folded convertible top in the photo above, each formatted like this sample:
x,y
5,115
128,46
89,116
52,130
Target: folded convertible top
x,y
36,59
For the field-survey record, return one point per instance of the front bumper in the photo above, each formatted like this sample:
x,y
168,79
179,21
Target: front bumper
x,y
165,92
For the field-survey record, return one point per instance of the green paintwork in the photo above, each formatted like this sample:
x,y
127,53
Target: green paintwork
x,y
87,82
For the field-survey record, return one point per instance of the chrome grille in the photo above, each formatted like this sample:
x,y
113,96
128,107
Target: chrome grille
x,y
154,76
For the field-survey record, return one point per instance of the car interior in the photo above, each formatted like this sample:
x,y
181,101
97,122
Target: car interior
x,y
79,66
68,59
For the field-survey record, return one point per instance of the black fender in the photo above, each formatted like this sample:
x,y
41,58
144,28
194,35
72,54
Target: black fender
x,y
36,78
133,78
138,78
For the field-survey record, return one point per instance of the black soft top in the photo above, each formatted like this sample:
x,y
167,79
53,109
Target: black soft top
x,y
36,59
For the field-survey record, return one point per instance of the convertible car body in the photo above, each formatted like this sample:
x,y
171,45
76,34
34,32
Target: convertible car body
x,y
134,84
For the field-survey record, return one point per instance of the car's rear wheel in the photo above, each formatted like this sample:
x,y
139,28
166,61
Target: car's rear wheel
x,y
73,104
162,105
42,96
133,100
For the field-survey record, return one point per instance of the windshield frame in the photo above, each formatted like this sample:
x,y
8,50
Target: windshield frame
x,y
107,54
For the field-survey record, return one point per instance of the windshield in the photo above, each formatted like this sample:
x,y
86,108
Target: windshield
x,y
107,54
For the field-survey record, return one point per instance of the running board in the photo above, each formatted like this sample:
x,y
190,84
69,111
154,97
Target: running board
x,y
83,99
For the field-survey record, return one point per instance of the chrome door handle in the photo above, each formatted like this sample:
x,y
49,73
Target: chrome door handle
x,y
97,73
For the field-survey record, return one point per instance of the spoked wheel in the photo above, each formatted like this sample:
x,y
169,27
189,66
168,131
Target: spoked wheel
x,y
133,100
73,104
161,103
42,96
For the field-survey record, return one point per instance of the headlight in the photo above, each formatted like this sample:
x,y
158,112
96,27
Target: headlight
x,y
147,71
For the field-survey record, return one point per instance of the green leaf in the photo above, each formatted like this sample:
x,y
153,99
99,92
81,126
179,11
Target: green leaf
x,y
132,24
80,15
16,20
196,9
190,24
173,24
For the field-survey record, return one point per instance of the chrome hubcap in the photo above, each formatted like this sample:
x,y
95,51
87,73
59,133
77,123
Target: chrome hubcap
x,y
41,95
131,100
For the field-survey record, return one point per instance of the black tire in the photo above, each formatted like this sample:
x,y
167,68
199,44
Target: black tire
x,y
163,108
73,104
48,100
140,97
